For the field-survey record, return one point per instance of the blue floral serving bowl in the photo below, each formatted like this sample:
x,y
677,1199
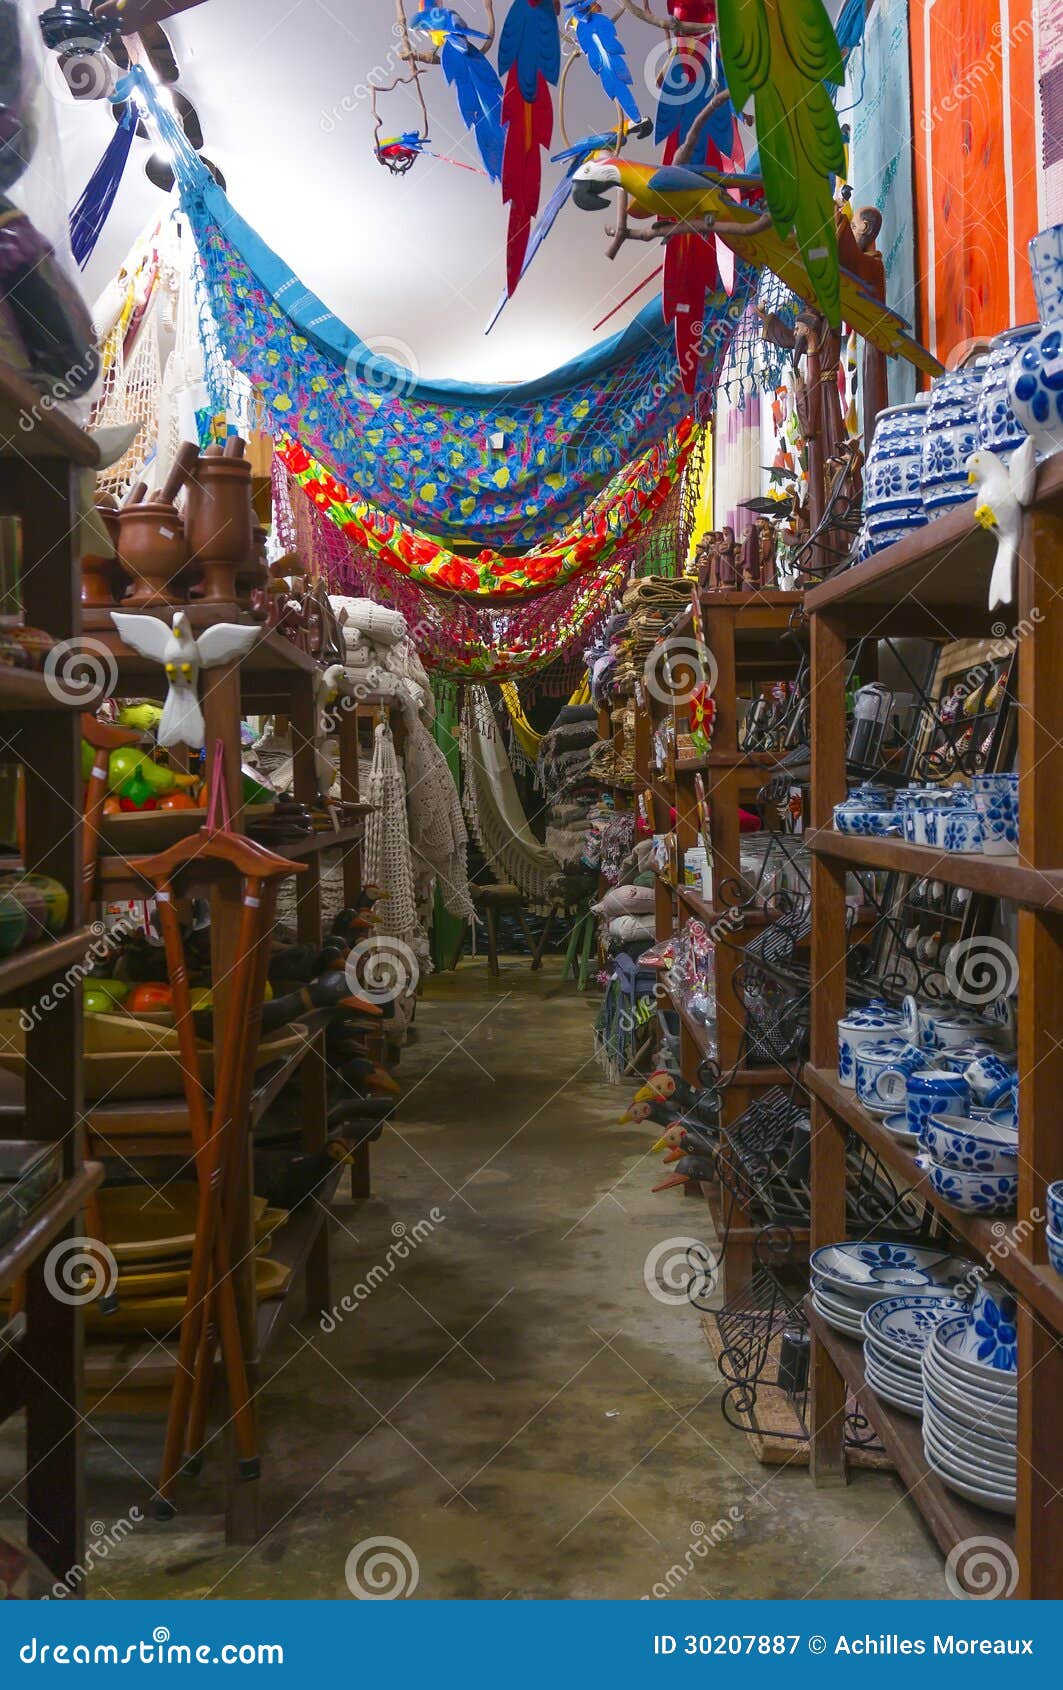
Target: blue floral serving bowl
x,y
1054,1205
974,1193
954,1141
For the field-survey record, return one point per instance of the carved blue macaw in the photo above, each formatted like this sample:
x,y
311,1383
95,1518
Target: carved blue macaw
x,y
598,41
473,78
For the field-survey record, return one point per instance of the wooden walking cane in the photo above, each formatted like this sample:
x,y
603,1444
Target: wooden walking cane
x,y
210,1272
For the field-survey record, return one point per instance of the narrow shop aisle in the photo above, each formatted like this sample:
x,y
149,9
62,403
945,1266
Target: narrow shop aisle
x,y
509,1402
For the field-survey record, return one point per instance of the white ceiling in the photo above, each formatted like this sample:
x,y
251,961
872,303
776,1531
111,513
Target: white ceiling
x,y
414,264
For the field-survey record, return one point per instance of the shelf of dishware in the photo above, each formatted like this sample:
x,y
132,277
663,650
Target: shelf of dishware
x,y
951,1518
1038,1282
947,563
1001,877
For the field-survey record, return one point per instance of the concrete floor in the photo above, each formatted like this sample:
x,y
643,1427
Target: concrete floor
x,y
509,1403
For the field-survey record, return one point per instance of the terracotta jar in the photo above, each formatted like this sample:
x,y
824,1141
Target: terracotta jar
x,y
218,524
152,549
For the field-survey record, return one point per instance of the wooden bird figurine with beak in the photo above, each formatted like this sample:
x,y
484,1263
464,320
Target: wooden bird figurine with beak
x,y
182,656
1003,489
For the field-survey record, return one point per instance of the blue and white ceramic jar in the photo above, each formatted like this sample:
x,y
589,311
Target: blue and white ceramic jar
x,y
871,1059
869,1024
999,429
933,1091
997,800
893,494
959,829
949,438
1035,379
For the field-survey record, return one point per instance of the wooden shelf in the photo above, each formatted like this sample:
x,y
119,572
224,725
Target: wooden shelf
x,y
291,1247
947,563
697,905
1001,877
31,426
43,961
27,689
1036,1281
796,1237
45,1221
729,760
950,1518
116,877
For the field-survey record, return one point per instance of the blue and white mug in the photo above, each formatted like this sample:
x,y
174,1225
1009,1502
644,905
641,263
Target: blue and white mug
x,y
869,1062
990,1079
934,1091
890,1085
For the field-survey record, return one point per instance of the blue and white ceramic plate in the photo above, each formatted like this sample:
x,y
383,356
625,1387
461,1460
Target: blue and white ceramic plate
x,y
867,1269
983,1349
897,1125
967,1466
848,1324
993,1501
976,1396
999,1455
890,1392
904,1324
968,1418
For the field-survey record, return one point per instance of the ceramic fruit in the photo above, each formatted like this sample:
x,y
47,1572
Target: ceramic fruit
x,y
152,994
34,904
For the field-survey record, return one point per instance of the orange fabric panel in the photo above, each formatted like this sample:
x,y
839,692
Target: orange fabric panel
x,y
973,103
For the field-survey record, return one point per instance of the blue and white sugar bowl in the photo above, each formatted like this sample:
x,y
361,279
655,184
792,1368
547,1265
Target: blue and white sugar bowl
x,y
893,493
959,828
934,1091
869,1024
1035,379
999,429
949,438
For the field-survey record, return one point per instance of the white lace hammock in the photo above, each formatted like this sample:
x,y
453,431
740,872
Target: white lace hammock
x,y
493,808
388,861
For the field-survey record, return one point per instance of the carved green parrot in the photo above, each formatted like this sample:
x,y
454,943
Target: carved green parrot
x,y
779,54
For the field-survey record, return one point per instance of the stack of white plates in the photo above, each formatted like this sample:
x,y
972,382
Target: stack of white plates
x,y
847,1278
969,1419
896,1332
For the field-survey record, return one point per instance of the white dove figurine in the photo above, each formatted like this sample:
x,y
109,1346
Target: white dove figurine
x,y
182,656
1003,489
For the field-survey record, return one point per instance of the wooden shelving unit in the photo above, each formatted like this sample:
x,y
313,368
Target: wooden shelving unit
x,y
41,455
745,632
935,584
274,677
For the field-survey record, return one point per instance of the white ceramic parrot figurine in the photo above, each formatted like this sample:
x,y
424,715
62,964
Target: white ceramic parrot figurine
x,y
1003,489
182,656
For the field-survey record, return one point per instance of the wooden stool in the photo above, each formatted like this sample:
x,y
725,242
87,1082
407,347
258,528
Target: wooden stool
x,y
495,900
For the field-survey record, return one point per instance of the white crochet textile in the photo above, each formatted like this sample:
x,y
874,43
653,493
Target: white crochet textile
x,y
388,859
493,807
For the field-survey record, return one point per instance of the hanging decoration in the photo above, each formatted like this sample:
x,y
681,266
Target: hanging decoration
x,y
471,75
598,41
614,519
529,57
97,197
458,638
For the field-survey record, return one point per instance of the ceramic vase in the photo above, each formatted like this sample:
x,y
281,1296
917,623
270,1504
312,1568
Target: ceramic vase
x,y
1035,378
999,429
949,438
218,524
151,548
893,496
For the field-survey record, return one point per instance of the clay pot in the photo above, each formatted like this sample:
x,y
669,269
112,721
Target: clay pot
x,y
218,524
152,549
99,574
